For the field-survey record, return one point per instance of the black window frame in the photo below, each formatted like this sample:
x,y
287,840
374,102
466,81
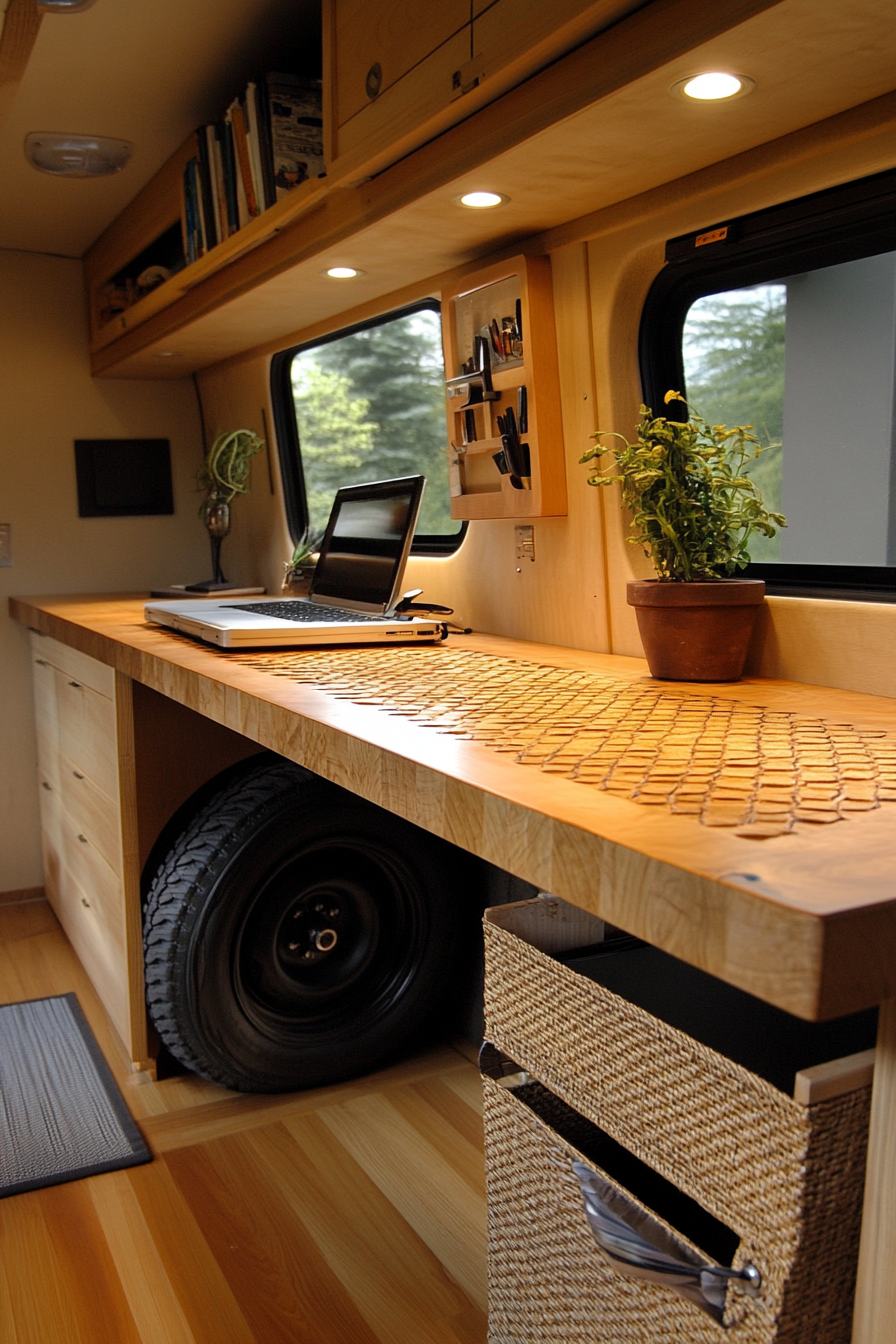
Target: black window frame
x,y
841,224
286,428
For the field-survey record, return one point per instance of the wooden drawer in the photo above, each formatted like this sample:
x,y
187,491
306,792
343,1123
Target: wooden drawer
x,y
86,722
77,859
79,666
75,712
92,811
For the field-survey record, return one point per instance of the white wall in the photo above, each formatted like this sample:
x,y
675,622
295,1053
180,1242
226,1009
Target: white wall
x,y
47,399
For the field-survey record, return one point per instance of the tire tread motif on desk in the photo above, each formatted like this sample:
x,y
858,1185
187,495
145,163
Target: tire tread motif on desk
x,y
725,763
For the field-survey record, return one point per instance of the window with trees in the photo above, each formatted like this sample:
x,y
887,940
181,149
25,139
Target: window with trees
x,y
786,320
367,404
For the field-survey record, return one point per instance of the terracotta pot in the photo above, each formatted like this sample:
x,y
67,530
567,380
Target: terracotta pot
x,y
696,631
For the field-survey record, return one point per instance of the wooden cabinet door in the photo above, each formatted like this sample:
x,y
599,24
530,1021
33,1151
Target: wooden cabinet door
x,y
394,35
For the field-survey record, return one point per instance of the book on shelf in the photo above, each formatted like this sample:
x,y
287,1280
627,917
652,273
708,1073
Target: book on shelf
x,y
239,125
268,142
207,205
290,113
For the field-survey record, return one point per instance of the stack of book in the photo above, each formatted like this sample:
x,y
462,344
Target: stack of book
x,y
269,141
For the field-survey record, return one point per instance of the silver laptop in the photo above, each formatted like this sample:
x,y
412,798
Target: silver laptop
x,y
356,584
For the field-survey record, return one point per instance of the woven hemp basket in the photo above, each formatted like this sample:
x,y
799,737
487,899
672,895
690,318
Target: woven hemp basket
x,y
788,1179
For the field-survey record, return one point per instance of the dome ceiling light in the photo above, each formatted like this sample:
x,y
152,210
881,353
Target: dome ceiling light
x,y
343,272
64,6
64,155
713,86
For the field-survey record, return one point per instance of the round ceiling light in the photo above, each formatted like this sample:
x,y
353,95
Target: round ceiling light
x,y
342,272
65,155
481,200
713,86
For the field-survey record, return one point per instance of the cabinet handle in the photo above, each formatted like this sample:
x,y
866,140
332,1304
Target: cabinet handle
x,y
85,902
83,839
42,662
76,684
77,775
48,787
374,81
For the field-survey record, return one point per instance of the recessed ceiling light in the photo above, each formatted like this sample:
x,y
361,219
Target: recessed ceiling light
x,y
712,87
342,272
66,155
167,354
481,200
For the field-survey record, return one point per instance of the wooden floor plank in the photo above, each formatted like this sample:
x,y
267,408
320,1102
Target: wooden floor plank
x,y
240,1111
198,1281
401,1288
158,1314
437,1199
284,1286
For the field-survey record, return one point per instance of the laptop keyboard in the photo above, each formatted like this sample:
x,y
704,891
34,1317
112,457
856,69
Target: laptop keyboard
x,y
305,612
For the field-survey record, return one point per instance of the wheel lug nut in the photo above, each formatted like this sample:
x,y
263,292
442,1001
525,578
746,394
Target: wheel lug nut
x,y
333,913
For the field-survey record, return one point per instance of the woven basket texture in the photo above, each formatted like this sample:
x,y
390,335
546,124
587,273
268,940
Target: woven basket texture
x,y
787,1179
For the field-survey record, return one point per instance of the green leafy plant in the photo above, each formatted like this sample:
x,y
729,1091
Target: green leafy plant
x,y
693,506
225,471
307,544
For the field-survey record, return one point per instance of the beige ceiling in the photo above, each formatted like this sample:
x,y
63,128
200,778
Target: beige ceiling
x,y
148,71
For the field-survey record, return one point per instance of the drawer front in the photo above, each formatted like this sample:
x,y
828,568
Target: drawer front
x,y
548,1282
46,714
87,731
92,811
79,914
75,664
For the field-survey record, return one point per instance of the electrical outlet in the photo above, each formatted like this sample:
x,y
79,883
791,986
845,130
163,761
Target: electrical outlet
x,y
525,543
6,544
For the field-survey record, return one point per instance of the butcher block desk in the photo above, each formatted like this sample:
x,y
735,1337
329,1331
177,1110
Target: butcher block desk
x,y
491,743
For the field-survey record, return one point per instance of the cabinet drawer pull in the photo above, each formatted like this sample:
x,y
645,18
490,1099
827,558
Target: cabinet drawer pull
x,y
83,839
77,774
76,684
85,902
48,787
42,662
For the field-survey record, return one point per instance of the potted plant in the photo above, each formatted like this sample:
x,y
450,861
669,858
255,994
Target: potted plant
x,y
694,509
299,571
223,475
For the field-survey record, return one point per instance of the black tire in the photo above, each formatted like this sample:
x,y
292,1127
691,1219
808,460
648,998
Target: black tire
x,y
296,935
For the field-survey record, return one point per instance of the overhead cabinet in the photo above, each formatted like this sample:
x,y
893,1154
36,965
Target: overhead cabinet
x,y
395,76
401,73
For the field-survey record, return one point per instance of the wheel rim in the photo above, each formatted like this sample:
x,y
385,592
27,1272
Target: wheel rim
x,y
338,925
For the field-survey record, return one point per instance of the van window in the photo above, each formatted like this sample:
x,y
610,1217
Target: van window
x,y
367,404
786,320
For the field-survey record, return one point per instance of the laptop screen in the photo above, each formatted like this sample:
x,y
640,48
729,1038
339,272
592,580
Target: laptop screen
x,y
367,540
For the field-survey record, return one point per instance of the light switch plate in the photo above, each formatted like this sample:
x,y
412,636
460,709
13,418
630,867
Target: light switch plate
x,y
5,544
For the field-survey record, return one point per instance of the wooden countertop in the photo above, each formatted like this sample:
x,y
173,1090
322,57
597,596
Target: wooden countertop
x,y
806,920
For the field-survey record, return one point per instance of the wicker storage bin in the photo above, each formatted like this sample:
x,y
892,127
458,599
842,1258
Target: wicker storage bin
x,y
785,1178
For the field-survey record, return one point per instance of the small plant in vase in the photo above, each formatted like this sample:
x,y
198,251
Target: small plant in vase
x,y
223,475
694,508
299,571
